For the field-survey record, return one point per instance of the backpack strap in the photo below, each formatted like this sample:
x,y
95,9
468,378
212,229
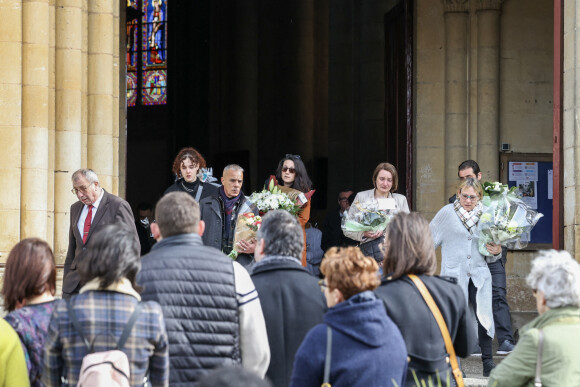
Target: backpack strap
x,y
75,321
198,193
129,327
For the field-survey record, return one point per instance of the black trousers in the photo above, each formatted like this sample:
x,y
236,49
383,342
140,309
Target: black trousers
x,y
501,309
484,339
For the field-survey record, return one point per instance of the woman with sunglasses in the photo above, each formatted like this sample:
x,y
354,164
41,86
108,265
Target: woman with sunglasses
x,y
367,348
452,229
291,173
386,182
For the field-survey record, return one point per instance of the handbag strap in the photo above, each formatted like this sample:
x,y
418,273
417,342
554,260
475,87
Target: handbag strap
x,y
326,379
538,380
442,326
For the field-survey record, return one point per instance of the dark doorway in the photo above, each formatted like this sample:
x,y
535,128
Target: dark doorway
x,y
398,93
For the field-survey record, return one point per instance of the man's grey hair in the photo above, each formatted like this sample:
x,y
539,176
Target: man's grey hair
x,y
87,173
557,275
282,234
177,213
234,167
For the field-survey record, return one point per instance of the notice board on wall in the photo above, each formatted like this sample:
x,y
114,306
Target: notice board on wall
x,y
533,175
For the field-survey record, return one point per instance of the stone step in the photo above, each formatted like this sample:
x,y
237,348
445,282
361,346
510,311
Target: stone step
x,y
473,369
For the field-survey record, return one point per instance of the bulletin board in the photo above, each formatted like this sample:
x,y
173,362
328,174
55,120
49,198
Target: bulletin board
x,y
533,174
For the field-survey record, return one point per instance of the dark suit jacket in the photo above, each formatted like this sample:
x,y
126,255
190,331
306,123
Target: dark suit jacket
x,y
332,235
112,209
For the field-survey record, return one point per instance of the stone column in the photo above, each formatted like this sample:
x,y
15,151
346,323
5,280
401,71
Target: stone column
x,y
488,40
115,105
100,90
571,129
68,148
51,121
35,64
10,121
456,97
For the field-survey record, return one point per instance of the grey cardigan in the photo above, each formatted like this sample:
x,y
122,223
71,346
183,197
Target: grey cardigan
x,y
365,196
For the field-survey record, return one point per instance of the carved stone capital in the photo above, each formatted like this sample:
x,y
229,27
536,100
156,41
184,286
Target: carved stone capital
x,y
492,5
456,5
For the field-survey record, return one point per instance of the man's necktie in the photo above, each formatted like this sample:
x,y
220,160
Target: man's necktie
x,y
87,224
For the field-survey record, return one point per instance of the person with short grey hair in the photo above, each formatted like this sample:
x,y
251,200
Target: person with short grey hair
x,y
290,296
94,209
555,283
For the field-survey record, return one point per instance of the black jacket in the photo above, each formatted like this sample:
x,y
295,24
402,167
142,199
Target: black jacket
x,y
195,286
425,345
332,235
292,304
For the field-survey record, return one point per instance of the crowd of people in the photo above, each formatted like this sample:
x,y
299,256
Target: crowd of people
x,y
181,312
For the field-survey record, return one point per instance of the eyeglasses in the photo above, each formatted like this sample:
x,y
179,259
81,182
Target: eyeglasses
x,y
292,170
322,284
82,188
469,197
342,199
291,156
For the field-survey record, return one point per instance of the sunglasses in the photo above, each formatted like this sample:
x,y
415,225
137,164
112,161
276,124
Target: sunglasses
x,y
292,170
291,156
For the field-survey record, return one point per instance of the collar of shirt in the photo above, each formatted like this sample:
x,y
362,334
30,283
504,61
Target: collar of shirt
x,y
97,202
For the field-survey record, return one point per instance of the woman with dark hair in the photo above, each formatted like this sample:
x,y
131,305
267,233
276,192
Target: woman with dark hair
x,y
366,347
103,308
409,250
452,229
291,173
386,182
28,290
186,167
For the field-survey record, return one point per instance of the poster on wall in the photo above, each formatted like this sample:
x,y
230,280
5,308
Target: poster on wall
x,y
529,192
523,171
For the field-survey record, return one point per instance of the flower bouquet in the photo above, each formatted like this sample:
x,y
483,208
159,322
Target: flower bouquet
x,y
504,219
247,225
366,216
273,198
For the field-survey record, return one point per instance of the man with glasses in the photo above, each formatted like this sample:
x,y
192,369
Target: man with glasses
x,y
332,235
94,209
501,309
289,294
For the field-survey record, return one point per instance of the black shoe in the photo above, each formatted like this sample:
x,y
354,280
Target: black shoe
x,y
488,365
505,348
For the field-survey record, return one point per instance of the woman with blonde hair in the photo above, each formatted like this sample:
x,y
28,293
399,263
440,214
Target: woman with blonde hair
x,y
409,250
366,348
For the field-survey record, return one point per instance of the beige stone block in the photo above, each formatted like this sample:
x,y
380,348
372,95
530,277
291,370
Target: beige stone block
x,y
100,6
10,226
430,31
69,28
570,203
100,154
68,147
430,98
35,64
34,190
63,197
35,106
34,147
101,33
10,183
100,119
61,233
80,4
11,147
100,75
10,63
35,22
10,104
11,26
68,67
33,224
68,107
432,69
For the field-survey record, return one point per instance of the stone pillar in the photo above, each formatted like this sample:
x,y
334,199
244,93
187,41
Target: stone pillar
x,y
100,90
35,66
10,121
114,187
51,121
571,129
68,148
456,97
488,40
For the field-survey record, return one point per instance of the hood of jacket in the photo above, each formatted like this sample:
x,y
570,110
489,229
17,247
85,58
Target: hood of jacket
x,y
362,317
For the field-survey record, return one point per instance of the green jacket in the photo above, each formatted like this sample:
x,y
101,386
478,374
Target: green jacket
x,y
560,365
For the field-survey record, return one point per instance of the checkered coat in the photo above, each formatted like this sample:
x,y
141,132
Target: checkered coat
x,y
103,315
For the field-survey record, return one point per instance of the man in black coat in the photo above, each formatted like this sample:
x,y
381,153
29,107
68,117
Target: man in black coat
x,y
332,235
291,299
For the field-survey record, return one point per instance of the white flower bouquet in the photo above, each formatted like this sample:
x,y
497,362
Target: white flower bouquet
x,y
366,216
504,219
273,199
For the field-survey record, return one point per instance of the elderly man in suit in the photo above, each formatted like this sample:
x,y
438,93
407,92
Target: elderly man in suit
x,y
95,209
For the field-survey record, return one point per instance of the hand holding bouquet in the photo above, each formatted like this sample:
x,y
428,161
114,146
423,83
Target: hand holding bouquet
x,y
247,225
366,216
504,219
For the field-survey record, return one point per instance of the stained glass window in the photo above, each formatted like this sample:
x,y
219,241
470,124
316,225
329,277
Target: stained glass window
x,y
146,52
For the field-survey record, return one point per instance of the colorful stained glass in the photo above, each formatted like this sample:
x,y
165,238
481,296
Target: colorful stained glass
x,y
131,88
154,87
155,44
132,35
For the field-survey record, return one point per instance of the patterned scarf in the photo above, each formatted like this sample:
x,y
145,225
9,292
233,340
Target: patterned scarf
x,y
468,218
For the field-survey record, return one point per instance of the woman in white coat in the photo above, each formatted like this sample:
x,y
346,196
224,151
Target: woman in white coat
x,y
385,181
452,229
